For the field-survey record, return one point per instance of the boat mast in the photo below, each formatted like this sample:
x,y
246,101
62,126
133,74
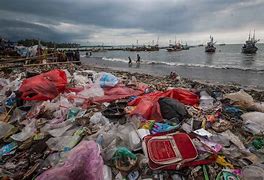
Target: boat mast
x,y
254,35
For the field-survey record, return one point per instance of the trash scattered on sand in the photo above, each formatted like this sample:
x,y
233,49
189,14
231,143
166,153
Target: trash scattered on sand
x,y
77,122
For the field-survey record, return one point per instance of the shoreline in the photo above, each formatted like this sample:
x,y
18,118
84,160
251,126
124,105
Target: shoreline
x,y
166,82
246,79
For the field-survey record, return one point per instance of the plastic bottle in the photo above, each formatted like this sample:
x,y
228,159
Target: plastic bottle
x,y
206,101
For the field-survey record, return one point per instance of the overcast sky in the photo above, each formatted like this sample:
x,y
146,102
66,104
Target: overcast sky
x,y
126,21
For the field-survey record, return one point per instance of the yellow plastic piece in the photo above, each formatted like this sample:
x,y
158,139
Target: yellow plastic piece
x,y
221,160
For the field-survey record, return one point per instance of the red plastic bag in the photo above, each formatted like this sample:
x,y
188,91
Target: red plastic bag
x,y
148,106
45,86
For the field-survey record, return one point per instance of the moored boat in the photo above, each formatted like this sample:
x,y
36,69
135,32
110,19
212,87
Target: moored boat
x,y
210,48
250,46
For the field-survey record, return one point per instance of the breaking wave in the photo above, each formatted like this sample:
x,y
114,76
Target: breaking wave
x,y
147,62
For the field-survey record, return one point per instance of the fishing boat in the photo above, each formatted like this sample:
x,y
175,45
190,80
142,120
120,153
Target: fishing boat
x,y
152,48
250,46
210,48
185,47
174,47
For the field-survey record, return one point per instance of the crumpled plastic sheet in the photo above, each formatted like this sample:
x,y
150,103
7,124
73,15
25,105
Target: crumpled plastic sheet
x,y
120,91
83,162
253,122
5,128
26,132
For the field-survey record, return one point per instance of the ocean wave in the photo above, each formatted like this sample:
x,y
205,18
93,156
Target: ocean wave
x,y
147,62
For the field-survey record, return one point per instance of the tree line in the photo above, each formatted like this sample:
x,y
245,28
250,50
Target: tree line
x,y
49,44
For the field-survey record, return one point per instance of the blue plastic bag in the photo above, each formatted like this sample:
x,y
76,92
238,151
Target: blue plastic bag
x,y
108,80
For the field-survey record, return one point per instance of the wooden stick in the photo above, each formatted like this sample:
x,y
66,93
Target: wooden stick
x,y
25,59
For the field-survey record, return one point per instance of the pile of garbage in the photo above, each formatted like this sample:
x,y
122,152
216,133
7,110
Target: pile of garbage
x,y
83,124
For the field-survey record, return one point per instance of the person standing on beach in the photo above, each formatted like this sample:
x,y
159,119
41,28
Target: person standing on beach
x,y
129,61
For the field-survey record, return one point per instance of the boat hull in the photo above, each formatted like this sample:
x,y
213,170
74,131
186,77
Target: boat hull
x,y
252,50
210,49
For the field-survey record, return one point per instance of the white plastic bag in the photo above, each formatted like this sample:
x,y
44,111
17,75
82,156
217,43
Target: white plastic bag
x,y
98,118
241,98
254,122
26,132
107,80
88,92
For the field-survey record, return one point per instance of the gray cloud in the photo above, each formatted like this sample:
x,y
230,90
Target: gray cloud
x,y
31,18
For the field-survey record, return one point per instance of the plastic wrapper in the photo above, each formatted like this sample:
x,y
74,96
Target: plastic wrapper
x,y
8,148
17,115
234,139
83,162
80,80
98,118
241,98
4,128
88,92
124,159
63,143
60,131
107,173
253,172
26,132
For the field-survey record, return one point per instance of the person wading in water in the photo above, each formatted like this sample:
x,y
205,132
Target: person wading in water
x,y
138,60
129,61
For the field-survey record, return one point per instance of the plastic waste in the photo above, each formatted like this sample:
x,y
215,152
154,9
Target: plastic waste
x,y
241,98
124,159
147,105
98,118
258,106
63,143
88,92
44,86
258,143
226,175
221,160
142,133
253,172
107,173
59,131
206,101
161,127
17,115
234,139
8,148
26,132
72,113
253,122
4,128
82,162
80,80
202,132
108,80
134,140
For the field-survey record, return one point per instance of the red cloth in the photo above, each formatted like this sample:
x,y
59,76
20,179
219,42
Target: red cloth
x,y
45,86
148,106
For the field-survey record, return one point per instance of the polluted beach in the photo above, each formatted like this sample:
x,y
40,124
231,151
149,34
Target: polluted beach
x,y
122,103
